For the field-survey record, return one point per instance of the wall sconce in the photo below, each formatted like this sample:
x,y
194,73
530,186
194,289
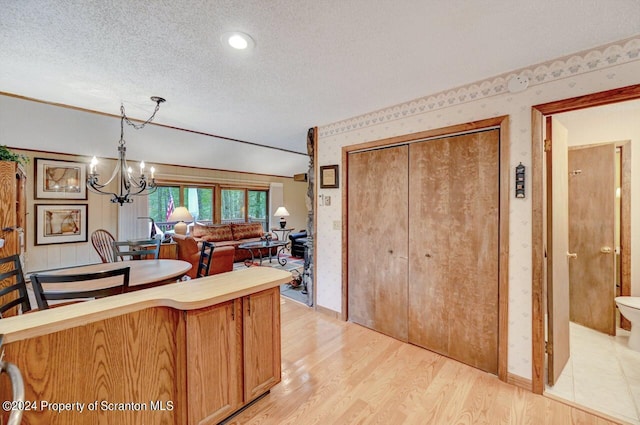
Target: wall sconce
x,y
520,181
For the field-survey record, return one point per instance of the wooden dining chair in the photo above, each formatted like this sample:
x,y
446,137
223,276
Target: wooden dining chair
x,y
101,240
206,255
136,250
14,293
40,283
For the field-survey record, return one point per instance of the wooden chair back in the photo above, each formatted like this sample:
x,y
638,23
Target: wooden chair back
x,y
206,255
13,291
102,240
136,250
40,283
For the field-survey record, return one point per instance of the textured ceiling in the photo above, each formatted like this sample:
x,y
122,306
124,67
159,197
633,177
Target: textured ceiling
x,y
314,63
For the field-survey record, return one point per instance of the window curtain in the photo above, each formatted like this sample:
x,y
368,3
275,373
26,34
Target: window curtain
x,y
276,199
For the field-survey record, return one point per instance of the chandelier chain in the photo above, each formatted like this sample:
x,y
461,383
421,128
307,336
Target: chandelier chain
x,y
129,184
124,118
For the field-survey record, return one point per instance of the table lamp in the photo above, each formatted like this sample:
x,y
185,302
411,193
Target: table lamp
x,y
282,213
180,214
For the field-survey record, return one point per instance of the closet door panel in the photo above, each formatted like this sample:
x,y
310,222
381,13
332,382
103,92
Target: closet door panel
x,y
453,267
377,240
473,304
429,249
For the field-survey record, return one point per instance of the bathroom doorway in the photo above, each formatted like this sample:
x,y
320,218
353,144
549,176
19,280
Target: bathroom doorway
x,y
575,351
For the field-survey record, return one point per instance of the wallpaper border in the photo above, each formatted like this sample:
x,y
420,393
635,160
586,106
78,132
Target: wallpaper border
x,y
613,54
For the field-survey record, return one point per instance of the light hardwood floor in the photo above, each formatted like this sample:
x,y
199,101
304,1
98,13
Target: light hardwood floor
x,y
336,372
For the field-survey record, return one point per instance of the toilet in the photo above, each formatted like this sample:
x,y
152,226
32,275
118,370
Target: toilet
x,y
630,308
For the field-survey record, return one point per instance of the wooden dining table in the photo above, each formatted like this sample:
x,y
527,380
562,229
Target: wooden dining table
x,y
142,274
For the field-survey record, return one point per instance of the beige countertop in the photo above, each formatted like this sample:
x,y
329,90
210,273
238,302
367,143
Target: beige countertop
x,y
189,295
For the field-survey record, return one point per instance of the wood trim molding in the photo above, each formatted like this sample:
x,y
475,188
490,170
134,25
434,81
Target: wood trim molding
x,y
590,100
537,246
625,225
423,135
519,381
344,314
538,290
170,127
577,406
316,172
503,241
328,312
501,122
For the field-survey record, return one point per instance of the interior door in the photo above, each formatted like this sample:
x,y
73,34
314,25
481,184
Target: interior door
x,y
377,240
592,236
557,189
453,245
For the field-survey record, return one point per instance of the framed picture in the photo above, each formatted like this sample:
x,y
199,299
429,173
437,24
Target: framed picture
x,y
329,176
60,179
60,223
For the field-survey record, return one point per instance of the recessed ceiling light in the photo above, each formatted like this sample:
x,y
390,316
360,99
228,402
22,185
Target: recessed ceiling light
x,y
237,40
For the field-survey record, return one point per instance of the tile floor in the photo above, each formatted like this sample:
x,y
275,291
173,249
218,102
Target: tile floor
x,y
602,373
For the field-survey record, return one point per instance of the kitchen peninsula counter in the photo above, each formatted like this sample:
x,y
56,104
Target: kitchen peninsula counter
x,y
183,353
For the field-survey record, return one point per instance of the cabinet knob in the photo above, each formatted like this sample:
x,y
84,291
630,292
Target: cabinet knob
x,y
572,255
605,250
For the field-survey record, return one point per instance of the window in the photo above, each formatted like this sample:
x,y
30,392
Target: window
x,y
162,203
244,205
233,205
197,199
258,207
199,202
236,205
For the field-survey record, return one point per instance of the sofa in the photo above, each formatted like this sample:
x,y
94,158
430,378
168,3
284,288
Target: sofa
x,y
189,251
298,241
232,235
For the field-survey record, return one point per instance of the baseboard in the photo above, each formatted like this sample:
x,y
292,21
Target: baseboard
x,y
327,312
519,381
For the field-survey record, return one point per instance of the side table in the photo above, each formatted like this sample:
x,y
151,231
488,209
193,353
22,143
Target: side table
x,y
168,251
285,232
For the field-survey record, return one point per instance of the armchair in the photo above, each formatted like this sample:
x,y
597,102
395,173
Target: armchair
x,y
188,250
298,241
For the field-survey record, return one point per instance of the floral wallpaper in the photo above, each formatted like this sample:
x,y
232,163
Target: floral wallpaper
x,y
608,67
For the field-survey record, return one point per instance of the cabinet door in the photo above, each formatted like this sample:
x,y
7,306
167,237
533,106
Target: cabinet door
x,y
214,376
10,206
261,320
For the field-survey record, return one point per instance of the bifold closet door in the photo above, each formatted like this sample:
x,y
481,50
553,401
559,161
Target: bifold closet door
x,y
377,235
453,247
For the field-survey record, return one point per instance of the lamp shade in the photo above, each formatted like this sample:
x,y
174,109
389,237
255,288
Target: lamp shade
x,y
180,214
281,212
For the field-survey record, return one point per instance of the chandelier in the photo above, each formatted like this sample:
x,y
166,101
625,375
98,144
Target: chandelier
x,y
129,185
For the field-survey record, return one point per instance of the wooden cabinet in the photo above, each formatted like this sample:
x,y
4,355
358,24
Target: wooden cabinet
x,y
13,208
13,211
177,353
214,374
233,355
261,337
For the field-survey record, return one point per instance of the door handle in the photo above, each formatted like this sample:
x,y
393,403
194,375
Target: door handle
x,y
605,250
572,255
